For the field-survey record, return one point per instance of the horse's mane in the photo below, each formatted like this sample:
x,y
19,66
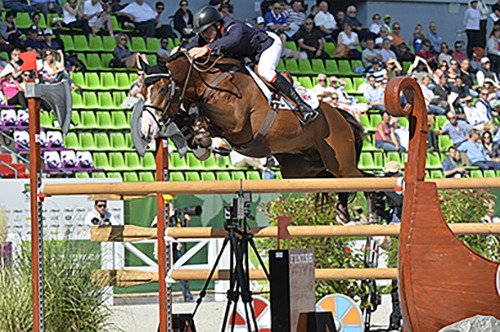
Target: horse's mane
x,y
206,60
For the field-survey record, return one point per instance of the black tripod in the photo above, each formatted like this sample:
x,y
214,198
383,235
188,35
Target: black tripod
x,y
239,239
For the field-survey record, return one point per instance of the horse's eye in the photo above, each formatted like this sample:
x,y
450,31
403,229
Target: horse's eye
x,y
163,90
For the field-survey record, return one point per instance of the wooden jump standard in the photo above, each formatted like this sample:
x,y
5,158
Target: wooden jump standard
x,y
255,186
130,233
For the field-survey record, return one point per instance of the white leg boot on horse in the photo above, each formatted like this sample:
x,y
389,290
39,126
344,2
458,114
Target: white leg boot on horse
x,y
307,114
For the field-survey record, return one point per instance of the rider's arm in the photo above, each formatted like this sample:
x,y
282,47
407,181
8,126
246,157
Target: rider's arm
x,y
195,42
230,39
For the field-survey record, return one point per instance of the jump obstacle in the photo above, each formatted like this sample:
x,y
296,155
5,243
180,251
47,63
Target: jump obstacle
x,y
417,206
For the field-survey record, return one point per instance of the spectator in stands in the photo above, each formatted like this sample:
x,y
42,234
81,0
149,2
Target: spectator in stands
x,y
14,94
377,71
97,17
163,52
471,114
393,68
99,215
453,164
356,25
309,40
142,16
18,6
340,18
162,28
260,22
444,53
458,53
456,128
441,92
468,78
483,20
74,16
375,26
485,72
385,137
14,63
430,98
432,140
314,11
383,34
8,30
48,42
402,50
240,160
123,58
350,40
494,49
295,16
417,37
47,6
35,20
370,53
276,21
426,54
453,70
442,69
387,23
33,39
374,95
459,88
265,6
54,69
325,21
476,153
491,148
485,112
471,23
136,86
434,37
386,51
496,13
322,90
183,20
346,102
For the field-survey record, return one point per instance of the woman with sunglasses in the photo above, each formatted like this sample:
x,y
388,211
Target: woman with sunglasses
x,y
417,37
493,47
123,58
445,53
53,69
183,20
74,16
491,148
13,91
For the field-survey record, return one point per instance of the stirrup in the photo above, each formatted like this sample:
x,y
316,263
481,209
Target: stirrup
x,y
307,118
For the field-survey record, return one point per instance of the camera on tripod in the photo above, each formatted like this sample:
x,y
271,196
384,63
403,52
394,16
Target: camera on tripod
x,y
240,208
178,217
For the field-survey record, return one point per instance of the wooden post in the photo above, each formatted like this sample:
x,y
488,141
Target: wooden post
x,y
36,216
164,290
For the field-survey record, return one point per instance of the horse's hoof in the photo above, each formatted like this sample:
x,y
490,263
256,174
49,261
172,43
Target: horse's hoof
x,y
201,153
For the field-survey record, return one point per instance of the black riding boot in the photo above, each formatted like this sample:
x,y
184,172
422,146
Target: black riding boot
x,y
307,114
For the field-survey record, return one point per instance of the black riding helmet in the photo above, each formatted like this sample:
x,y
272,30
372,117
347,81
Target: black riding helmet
x,y
205,17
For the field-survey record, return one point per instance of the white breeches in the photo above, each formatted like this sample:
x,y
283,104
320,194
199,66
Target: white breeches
x,y
269,59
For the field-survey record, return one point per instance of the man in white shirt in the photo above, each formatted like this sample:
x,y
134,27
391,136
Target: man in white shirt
x,y
370,53
325,21
99,215
97,17
143,16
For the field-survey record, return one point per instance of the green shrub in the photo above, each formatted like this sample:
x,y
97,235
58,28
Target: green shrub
x,y
72,301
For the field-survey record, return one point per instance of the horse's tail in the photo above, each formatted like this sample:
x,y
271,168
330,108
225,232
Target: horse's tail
x,y
357,129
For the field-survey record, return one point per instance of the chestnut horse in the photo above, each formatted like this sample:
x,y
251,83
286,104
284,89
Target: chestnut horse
x,y
233,107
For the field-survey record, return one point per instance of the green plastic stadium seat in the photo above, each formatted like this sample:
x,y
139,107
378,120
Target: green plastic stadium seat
x,y
193,162
375,119
349,88
329,48
357,81
94,61
222,176
104,120
138,45
81,43
378,158
45,120
192,176
108,81
151,59
119,120
23,20
207,176
292,66
210,163
152,44
368,145
176,162
71,141
305,67
437,174
68,42
476,173
132,161
433,161
177,176
291,45
148,161
92,81
118,98
318,66
253,175
82,58
98,175
238,175
403,122
281,66
105,101
331,67
489,173
345,68
132,77
90,100
106,59
393,156
146,177
101,160
108,44
75,119
102,141
130,177
78,79
122,81
366,161
118,141
114,175
87,141
95,43
88,120
444,142
224,162
117,162
439,122
305,81
82,175
365,121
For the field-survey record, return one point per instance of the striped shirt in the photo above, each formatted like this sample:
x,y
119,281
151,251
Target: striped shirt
x,y
294,17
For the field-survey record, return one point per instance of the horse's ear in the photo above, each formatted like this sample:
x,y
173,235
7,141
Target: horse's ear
x,y
162,64
143,65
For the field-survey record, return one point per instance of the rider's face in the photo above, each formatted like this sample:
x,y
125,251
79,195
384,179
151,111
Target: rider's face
x,y
209,34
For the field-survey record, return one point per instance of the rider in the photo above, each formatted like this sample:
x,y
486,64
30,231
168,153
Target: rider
x,y
231,36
